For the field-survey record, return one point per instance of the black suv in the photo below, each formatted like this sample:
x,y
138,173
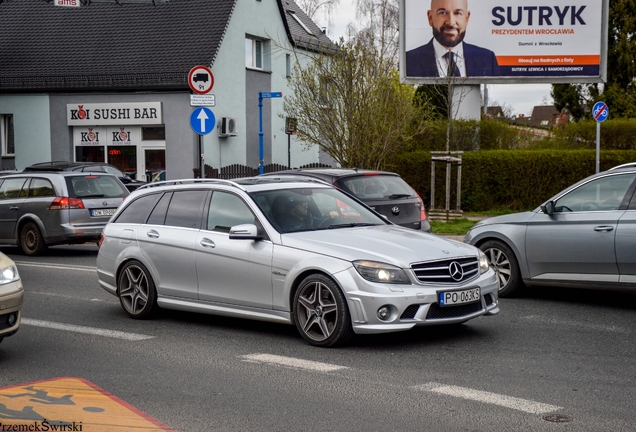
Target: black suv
x,y
130,183
385,192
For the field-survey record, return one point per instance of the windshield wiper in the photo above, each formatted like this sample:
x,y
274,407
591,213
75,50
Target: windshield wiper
x,y
394,196
92,196
352,224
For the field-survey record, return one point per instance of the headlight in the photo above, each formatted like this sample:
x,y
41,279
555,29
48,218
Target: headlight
x,y
483,263
380,272
9,274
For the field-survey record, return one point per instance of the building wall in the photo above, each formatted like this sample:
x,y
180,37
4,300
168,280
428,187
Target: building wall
x,y
236,91
31,125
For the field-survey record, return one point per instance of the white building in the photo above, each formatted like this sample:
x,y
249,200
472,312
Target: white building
x,y
108,82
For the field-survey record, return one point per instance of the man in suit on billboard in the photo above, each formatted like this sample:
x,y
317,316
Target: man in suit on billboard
x,y
447,53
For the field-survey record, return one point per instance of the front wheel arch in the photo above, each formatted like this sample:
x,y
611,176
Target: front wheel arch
x,y
504,261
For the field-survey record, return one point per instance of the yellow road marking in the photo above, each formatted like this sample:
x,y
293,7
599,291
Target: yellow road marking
x,y
69,404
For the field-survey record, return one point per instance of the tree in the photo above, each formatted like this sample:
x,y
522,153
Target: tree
x,y
620,90
352,105
314,8
379,28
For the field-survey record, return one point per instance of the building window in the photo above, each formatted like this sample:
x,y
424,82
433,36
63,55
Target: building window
x,y
6,135
157,133
287,65
253,53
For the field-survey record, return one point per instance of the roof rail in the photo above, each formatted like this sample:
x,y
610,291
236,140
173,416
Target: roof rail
x,y
190,181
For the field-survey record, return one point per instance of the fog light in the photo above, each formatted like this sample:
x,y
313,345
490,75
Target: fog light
x,y
11,319
384,313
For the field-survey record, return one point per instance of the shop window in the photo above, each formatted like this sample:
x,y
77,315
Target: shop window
x,y
90,154
153,133
253,53
7,142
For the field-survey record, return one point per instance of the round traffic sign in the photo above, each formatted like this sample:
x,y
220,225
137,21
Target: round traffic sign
x,y
600,111
202,120
201,79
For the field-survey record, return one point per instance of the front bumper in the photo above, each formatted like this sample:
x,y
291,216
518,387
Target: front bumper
x,y
412,305
11,296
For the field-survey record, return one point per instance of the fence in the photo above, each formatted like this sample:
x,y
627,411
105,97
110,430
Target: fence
x,y
237,170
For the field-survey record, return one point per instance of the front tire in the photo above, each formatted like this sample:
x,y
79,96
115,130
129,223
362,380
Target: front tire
x,y
320,312
505,264
31,241
136,291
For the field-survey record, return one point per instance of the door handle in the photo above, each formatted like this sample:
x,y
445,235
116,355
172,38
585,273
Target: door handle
x,y
604,228
14,208
207,243
152,234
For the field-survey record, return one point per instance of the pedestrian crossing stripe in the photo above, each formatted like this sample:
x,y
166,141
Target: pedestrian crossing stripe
x,y
69,404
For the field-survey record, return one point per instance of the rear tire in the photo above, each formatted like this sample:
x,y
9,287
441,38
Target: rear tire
x,y
504,262
136,291
321,313
31,241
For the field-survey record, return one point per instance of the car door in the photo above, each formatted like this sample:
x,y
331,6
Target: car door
x,y
232,271
577,241
625,241
13,192
167,240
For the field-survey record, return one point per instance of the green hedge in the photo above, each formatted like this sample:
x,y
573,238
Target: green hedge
x,y
501,179
500,135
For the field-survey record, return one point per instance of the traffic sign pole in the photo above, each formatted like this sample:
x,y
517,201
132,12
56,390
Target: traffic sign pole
x,y
261,150
600,112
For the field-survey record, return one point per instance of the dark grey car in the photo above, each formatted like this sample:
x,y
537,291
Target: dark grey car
x,y
43,209
385,192
581,237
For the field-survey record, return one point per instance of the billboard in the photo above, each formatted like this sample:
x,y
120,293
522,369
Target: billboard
x,y
503,41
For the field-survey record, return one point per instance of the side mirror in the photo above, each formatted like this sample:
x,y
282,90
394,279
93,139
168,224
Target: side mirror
x,y
548,208
245,232
125,179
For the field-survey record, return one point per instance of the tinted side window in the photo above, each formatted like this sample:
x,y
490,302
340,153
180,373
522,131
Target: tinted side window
x,y
92,168
227,210
158,215
41,188
185,209
137,212
13,188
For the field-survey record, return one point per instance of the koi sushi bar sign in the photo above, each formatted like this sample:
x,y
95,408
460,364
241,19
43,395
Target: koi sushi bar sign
x,y
142,113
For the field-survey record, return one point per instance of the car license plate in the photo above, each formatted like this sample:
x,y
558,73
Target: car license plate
x,y
451,298
103,212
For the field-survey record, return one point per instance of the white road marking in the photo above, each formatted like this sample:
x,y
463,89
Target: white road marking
x,y
56,266
491,398
87,330
74,297
292,362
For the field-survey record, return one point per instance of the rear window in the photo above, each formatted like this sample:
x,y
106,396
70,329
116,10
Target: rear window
x,y
376,187
95,186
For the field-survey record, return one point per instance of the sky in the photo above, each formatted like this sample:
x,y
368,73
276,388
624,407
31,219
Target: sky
x,y
520,97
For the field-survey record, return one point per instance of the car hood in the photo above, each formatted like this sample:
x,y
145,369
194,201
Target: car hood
x,y
513,218
386,243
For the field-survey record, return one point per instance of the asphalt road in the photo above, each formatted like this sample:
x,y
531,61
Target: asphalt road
x,y
554,354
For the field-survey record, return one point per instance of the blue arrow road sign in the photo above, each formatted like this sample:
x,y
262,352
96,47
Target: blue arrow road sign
x,y
270,94
600,111
202,120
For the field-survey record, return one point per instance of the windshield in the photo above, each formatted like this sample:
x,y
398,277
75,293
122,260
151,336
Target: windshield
x,y
376,187
293,210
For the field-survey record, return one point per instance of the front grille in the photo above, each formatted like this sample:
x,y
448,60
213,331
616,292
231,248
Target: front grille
x,y
437,312
409,312
446,271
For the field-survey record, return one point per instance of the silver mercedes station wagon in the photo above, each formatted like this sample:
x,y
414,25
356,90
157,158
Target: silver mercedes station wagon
x,y
290,250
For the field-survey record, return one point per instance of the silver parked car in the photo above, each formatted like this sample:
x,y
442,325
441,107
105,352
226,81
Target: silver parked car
x,y
581,237
290,250
40,209
11,294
